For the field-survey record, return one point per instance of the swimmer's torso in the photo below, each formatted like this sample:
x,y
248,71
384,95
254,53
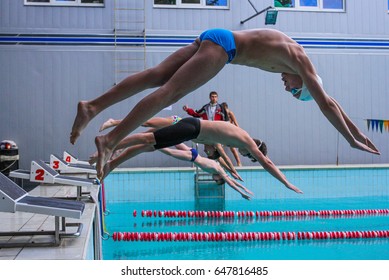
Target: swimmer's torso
x,y
266,49
225,133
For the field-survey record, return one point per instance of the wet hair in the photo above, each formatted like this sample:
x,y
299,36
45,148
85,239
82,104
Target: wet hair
x,y
224,105
215,155
212,152
261,146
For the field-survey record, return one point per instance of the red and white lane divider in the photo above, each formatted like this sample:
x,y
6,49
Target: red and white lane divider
x,y
242,214
245,236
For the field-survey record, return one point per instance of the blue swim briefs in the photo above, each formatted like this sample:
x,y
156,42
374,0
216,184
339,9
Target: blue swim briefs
x,y
223,38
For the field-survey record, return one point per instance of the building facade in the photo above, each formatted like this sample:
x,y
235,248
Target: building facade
x,y
54,53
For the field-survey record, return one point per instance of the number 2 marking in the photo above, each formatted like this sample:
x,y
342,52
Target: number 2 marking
x,y
39,175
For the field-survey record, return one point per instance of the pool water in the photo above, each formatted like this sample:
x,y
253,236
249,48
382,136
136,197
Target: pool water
x,y
121,219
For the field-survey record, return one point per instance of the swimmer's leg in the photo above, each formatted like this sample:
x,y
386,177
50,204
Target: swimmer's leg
x,y
153,77
199,69
124,156
158,122
104,154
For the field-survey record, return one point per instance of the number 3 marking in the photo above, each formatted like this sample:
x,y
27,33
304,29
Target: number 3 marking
x,y
55,164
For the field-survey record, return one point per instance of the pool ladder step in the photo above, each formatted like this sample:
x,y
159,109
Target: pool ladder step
x,y
206,187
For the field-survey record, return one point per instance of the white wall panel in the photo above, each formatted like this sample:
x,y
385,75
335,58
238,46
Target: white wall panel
x,y
41,85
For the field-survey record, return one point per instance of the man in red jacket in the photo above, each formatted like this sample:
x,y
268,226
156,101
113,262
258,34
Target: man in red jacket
x,y
212,111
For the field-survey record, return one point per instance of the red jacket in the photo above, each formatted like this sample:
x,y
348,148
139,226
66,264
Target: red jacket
x,y
220,113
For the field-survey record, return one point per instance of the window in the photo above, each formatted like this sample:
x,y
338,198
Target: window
x,y
96,3
210,4
312,5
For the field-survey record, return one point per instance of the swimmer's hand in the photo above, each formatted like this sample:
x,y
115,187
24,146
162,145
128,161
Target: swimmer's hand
x,y
359,145
293,188
236,176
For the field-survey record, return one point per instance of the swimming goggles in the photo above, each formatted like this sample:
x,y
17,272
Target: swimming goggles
x,y
296,91
250,156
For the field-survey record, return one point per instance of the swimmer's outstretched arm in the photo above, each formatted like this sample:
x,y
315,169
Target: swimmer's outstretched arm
x,y
270,167
233,173
227,161
354,129
185,155
214,167
331,109
235,185
209,166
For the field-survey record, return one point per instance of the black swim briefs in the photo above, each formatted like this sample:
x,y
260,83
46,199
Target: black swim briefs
x,y
185,130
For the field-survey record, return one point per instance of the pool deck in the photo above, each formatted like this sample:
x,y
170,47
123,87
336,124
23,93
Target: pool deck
x,y
69,248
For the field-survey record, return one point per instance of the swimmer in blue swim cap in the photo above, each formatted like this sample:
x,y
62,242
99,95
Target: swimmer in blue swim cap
x,y
295,85
194,65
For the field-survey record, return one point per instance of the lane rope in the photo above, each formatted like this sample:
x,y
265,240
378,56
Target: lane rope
x,y
245,236
243,214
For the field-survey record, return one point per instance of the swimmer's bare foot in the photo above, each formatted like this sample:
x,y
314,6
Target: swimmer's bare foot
x,y
93,158
106,169
83,117
104,154
109,123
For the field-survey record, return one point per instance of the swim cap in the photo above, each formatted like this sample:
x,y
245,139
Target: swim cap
x,y
305,94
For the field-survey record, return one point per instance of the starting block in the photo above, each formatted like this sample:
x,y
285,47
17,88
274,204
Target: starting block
x,y
14,199
69,158
59,164
42,173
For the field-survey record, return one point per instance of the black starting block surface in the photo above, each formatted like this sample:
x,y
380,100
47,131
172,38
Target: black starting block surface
x,y
53,203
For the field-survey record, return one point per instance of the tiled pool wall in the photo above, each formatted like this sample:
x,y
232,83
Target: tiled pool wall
x,y
172,184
